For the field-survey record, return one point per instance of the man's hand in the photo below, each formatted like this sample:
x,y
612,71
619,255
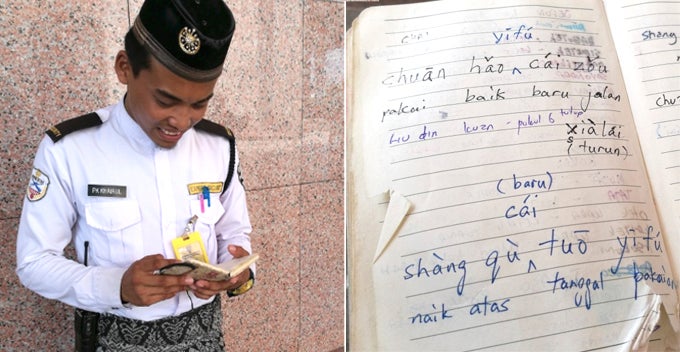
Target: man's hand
x,y
205,289
141,287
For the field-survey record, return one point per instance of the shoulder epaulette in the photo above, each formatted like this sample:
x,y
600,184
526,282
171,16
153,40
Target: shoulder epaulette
x,y
63,128
217,129
214,128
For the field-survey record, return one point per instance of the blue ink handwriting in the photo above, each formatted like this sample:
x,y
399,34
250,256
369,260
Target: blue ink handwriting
x,y
651,35
421,136
487,307
649,274
566,247
534,121
426,318
492,260
524,210
527,183
483,127
522,33
438,270
579,283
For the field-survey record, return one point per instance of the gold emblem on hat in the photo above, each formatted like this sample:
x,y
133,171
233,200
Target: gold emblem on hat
x,y
189,41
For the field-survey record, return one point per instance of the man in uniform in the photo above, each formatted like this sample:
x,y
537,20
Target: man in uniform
x,y
125,181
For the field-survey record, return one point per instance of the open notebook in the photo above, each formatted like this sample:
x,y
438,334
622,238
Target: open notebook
x,y
513,176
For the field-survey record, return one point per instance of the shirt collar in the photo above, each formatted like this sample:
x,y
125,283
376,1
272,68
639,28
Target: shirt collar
x,y
130,130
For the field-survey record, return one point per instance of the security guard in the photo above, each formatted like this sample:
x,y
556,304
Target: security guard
x,y
125,182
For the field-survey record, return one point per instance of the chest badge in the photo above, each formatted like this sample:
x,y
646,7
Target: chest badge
x,y
107,191
198,187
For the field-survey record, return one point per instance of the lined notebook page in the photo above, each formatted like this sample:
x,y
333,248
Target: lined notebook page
x,y
647,38
506,131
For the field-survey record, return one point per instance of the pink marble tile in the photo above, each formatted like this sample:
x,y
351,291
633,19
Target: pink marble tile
x,y
322,267
268,318
26,319
15,165
259,95
52,70
323,96
263,73
269,163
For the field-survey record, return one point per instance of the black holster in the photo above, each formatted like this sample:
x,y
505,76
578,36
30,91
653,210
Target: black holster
x,y
86,326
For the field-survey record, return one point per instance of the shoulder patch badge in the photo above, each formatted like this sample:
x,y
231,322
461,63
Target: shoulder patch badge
x,y
37,186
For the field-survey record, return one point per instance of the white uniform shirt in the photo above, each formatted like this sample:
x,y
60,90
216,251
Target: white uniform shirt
x,y
112,186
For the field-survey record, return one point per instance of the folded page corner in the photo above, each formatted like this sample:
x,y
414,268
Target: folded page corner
x,y
397,209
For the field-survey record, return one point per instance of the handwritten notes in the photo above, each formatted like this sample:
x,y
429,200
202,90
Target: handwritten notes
x,y
508,130
651,59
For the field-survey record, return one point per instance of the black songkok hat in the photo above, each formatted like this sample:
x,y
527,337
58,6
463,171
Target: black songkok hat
x,y
190,37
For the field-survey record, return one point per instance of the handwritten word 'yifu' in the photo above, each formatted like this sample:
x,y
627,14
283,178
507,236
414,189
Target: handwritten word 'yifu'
x,y
522,33
651,242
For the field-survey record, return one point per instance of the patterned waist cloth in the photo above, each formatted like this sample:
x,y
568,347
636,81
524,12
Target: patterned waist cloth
x,y
197,330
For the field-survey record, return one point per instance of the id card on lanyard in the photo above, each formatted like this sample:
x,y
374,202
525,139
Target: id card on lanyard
x,y
190,244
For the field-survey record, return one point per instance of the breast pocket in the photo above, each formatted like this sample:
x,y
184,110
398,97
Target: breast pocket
x,y
207,218
116,231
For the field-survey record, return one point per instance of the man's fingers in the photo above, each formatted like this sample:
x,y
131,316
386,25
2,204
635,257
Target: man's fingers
x,y
150,263
141,287
237,251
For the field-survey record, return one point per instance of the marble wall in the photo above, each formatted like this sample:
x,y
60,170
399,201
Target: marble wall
x,y
281,94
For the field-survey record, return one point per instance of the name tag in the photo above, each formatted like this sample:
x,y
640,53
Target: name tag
x,y
107,191
197,188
